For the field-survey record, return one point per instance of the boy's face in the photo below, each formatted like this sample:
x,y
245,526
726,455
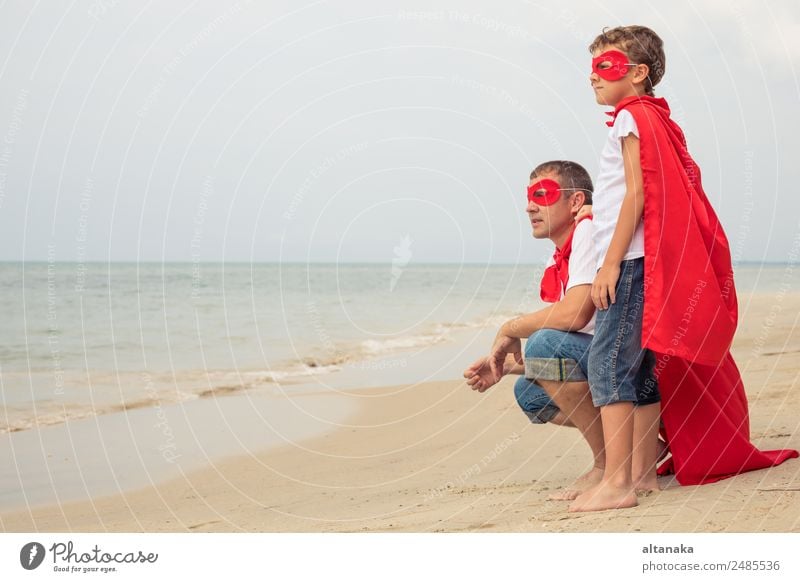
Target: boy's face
x,y
550,220
622,79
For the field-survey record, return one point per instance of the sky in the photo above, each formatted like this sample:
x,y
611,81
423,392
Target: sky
x,y
354,131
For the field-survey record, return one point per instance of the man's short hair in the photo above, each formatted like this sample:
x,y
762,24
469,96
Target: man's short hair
x,y
643,47
570,174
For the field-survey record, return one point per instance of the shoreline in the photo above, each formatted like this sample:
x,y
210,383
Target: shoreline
x,y
118,452
182,387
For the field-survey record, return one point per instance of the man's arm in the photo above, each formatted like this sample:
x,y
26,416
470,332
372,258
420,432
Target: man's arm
x,y
480,376
630,214
572,313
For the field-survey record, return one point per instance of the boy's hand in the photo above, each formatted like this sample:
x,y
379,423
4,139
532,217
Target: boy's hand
x,y
585,210
604,288
504,345
480,376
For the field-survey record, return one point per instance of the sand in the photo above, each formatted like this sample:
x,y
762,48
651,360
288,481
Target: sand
x,y
437,456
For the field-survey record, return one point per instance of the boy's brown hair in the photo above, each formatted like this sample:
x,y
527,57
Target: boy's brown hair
x,y
643,47
571,174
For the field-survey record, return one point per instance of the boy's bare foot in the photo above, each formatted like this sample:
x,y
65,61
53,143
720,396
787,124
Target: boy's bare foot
x,y
663,451
604,495
581,484
646,485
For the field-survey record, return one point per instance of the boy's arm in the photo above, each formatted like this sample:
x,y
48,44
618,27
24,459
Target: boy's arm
x,y
604,287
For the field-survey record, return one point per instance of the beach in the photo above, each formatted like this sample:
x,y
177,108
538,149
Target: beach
x,y
430,456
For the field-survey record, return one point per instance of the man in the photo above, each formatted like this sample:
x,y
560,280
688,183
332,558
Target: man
x,y
559,336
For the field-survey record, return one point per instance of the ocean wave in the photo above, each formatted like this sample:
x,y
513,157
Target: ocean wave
x,y
437,333
52,414
223,383
381,347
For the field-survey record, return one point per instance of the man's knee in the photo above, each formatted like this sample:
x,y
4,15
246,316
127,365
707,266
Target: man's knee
x,y
543,343
524,389
534,401
567,391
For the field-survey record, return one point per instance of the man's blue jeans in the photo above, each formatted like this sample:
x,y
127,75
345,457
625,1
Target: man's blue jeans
x,y
550,354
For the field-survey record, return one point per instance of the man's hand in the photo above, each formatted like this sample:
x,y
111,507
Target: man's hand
x,y
504,345
480,376
604,288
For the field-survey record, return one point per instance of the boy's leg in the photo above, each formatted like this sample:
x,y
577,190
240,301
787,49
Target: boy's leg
x,y
614,362
615,490
646,421
645,447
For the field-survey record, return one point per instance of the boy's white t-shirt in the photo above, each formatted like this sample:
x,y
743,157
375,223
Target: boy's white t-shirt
x,y
609,191
582,263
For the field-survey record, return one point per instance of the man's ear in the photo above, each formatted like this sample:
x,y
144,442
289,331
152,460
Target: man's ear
x,y
578,200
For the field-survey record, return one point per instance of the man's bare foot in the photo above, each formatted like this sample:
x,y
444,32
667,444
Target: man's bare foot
x,y
581,484
604,495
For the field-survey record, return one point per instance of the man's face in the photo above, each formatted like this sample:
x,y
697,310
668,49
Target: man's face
x,y
549,220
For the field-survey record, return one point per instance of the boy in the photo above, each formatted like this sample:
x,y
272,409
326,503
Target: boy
x,y
557,357
664,283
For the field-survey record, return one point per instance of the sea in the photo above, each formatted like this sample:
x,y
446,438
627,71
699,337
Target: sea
x,y
87,339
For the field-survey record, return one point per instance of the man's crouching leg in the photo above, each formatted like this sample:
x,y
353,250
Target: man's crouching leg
x,y
537,405
559,360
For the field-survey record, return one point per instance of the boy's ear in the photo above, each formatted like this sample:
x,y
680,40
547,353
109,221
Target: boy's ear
x,y
640,73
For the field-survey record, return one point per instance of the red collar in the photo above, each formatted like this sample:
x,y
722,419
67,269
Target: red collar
x,y
556,276
659,102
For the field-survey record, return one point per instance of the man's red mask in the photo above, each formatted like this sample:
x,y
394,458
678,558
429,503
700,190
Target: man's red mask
x,y
545,192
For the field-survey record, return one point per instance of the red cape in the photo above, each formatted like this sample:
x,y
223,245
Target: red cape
x,y
690,310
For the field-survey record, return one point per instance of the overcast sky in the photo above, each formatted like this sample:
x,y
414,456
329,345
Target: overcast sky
x,y
325,131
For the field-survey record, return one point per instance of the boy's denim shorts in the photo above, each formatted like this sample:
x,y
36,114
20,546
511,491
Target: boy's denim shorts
x,y
620,370
550,354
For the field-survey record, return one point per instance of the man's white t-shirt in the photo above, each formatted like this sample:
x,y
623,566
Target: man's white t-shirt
x,y
582,263
609,191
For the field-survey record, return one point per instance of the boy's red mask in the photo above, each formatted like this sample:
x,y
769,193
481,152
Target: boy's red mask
x,y
544,192
611,65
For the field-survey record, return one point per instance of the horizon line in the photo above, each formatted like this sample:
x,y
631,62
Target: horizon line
x,y
263,262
